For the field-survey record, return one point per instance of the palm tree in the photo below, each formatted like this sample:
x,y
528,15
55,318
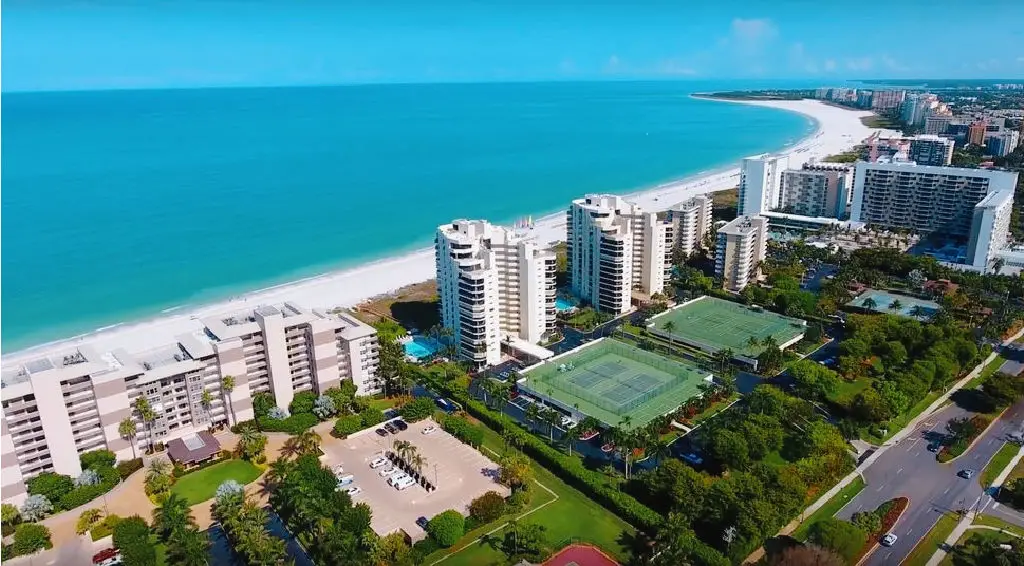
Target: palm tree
x,y
869,303
172,516
126,428
916,311
278,470
895,306
158,467
501,392
189,547
306,442
625,421
148,416
417,462
551,417
513,436
752,342
532,412
207,400
669,327
571,436
227,385
403,448
251,444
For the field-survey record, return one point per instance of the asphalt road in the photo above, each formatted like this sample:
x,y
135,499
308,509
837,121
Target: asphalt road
x,y
909,470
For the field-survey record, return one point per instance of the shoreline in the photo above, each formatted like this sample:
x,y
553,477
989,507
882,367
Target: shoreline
x,y
835,131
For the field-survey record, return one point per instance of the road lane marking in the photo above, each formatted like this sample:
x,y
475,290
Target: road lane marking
x,y
899,471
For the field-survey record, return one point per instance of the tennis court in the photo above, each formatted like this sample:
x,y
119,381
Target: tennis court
x,y
881,301
715,324
608,380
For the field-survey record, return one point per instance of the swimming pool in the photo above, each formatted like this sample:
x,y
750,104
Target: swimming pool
x,y
563,304
421,347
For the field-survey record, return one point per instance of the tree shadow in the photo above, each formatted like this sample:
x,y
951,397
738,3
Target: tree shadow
x,y
421,315
973,400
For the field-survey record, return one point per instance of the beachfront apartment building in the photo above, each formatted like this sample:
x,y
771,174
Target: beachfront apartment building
x,y
761,183
903,195
691,221
615,247
817,192
742,245
494,283
930,150
60,404
990,229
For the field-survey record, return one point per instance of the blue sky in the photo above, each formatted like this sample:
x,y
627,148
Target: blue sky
x,y
62,45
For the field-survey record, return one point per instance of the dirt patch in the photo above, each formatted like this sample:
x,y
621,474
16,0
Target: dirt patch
x,y
412,306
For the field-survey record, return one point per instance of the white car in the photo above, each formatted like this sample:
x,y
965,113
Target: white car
x,y
388,471
354,490
395,479
889,540
429,429
378,462
404,483
568,423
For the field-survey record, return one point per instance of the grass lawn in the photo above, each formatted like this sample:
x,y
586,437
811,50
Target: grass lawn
x,y
984,533
383,404
202,485
1017,472
830,508
988,370
572,516
847,389
990,521
997,463
931,542
714,409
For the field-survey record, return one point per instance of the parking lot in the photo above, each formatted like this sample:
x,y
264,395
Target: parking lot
x,y
460,473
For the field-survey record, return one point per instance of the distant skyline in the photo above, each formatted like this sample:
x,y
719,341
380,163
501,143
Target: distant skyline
x,y
82,45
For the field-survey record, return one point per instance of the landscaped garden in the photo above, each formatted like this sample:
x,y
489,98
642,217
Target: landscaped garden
x,y
201,485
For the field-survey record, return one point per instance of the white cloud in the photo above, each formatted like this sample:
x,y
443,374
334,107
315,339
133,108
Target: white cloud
x,y
799,59
613,65
830,65
893,64
674,68
753,31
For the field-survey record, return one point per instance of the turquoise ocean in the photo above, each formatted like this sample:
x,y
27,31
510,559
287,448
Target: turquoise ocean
x,y
121,205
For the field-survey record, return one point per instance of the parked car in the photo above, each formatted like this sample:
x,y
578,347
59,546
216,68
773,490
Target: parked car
x,y
402,425
104,556
429,429
388,471
966,473
889,539
381,432
568,423
422,522
354,490
391,428
394,479
378,462
404,483
345,480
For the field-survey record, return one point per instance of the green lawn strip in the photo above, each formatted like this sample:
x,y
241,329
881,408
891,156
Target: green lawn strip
x,y
202,485
830,508
382,404
931,542
988,370
573,516
998,463
983,533
714,409
1016,472
847,389
990,521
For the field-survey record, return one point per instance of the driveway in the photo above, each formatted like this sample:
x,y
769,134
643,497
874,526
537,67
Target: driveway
x,y
909,470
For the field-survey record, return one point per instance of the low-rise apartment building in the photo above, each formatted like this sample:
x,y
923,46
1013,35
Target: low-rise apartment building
x,y
742,245
493,282
615,247
61,404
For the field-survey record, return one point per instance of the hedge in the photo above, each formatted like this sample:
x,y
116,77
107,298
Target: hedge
x,y
572,471
293,425
347,425
129,467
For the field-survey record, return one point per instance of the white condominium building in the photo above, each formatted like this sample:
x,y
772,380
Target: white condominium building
x,y
60,404
691,222
615,247
815,192
742,245
761,183
925,199
990,229
930,150
493,282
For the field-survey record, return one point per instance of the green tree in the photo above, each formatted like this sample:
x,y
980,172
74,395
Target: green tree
x,y
730,449
514,471
446,528
869,303
842,537
418,409
986,551
189,547
896,306
131,537
171,516
147,415
1003,388
764,434
525,542
812,380
227,385
252,445
11,516
302,402
392,550
306,442
488,507
87,520
50,485
126,429
30,538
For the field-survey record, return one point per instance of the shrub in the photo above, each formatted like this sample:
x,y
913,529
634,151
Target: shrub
x,y
324,408
277,414
98,459
462,429
238,427
347,425
88,477
131,537
418,409
105,527
82,495
227,489
178,470
30,538
422,549
36,507
262,403
293,425
50,485
846,539
371,417
488,507
87,520
302,402
10,514
447,527
129,467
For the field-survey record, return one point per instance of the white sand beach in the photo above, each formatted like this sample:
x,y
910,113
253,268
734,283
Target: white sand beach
x,y
838,130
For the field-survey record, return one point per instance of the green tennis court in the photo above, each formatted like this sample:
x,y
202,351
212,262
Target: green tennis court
x,y
716,324
610,380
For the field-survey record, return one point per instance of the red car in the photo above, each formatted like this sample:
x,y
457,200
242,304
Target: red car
x,y
104,555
